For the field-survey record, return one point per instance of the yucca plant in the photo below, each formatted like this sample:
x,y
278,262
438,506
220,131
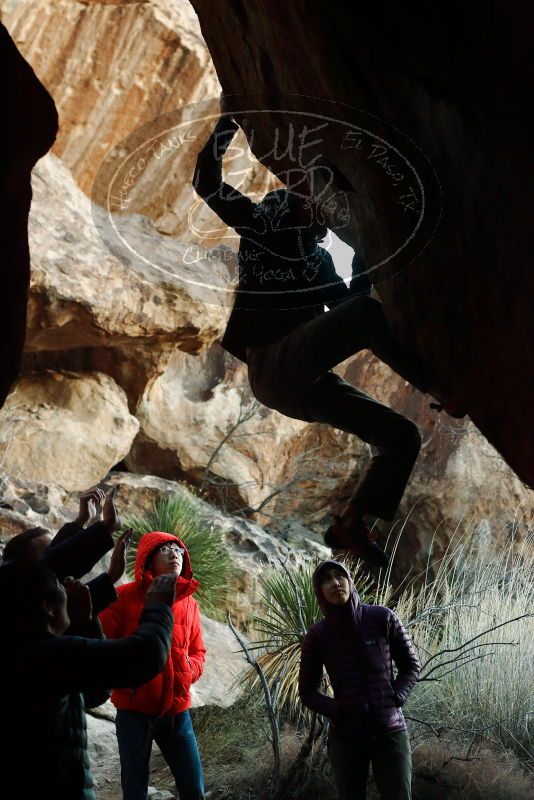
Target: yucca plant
x,y
288,607
209,558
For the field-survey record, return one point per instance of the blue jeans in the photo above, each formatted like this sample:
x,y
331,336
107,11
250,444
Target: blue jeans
x,y
176,739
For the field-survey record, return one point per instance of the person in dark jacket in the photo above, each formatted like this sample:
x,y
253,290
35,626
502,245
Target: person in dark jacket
x,y
74,550
36,543
42,673
279,327
357,644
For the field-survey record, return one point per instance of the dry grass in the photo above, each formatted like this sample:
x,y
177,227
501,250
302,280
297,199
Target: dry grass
x,y
237,760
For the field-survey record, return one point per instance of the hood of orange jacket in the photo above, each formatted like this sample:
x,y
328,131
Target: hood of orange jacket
x,y
185,583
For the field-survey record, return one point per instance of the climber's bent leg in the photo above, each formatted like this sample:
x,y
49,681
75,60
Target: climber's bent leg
x,y
315,347
333,401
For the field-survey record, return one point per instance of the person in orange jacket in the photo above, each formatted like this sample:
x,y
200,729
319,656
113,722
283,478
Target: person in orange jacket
x,y
159,709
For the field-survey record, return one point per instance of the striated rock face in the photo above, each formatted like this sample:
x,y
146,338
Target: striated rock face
x,y
116,67
456,136
65,429
111,67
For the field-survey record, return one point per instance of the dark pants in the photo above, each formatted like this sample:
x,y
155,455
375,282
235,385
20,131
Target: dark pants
x,y
174,736
390,756
293,376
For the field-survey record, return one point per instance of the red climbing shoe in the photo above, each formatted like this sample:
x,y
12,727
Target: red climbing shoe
x,y
358,540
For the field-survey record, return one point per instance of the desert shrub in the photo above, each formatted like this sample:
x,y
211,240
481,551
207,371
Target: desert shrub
x,y
472,624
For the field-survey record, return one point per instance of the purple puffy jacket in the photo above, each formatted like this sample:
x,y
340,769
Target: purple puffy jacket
x,y
356,643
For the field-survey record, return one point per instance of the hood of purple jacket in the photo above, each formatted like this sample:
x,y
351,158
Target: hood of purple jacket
x,y
345,615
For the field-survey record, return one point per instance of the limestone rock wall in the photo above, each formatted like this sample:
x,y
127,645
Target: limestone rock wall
x,y
82,296
111,67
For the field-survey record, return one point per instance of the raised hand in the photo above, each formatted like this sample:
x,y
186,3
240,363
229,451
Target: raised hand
x,y
110,517
117,565
90,504
161,590
79,605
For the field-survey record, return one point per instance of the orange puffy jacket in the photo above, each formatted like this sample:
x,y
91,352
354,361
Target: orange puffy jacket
x,y
167,693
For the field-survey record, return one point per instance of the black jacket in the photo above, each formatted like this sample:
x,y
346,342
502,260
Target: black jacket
x,y
74,551
45,753
283,280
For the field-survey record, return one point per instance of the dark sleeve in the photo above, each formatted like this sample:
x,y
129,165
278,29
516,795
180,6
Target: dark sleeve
x,y
360,283
65,532
228,203
405,657
93,630
78,554
310,675
103,592
71,664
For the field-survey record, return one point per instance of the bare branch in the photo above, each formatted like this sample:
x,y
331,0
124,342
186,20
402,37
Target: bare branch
x,y
478,636
467,661
436,731
463,655
271,710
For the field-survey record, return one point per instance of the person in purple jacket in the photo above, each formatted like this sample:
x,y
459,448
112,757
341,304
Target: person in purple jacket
x,y
357,644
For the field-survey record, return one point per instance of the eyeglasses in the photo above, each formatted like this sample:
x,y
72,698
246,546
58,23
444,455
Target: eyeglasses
x,y
168,549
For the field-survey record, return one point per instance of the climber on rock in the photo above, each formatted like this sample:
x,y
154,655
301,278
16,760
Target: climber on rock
x,y
279,327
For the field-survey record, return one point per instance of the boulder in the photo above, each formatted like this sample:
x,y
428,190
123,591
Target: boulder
x,y
420,147
116,68
200,422
103,749
224,666
65,429
26,503
82,296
